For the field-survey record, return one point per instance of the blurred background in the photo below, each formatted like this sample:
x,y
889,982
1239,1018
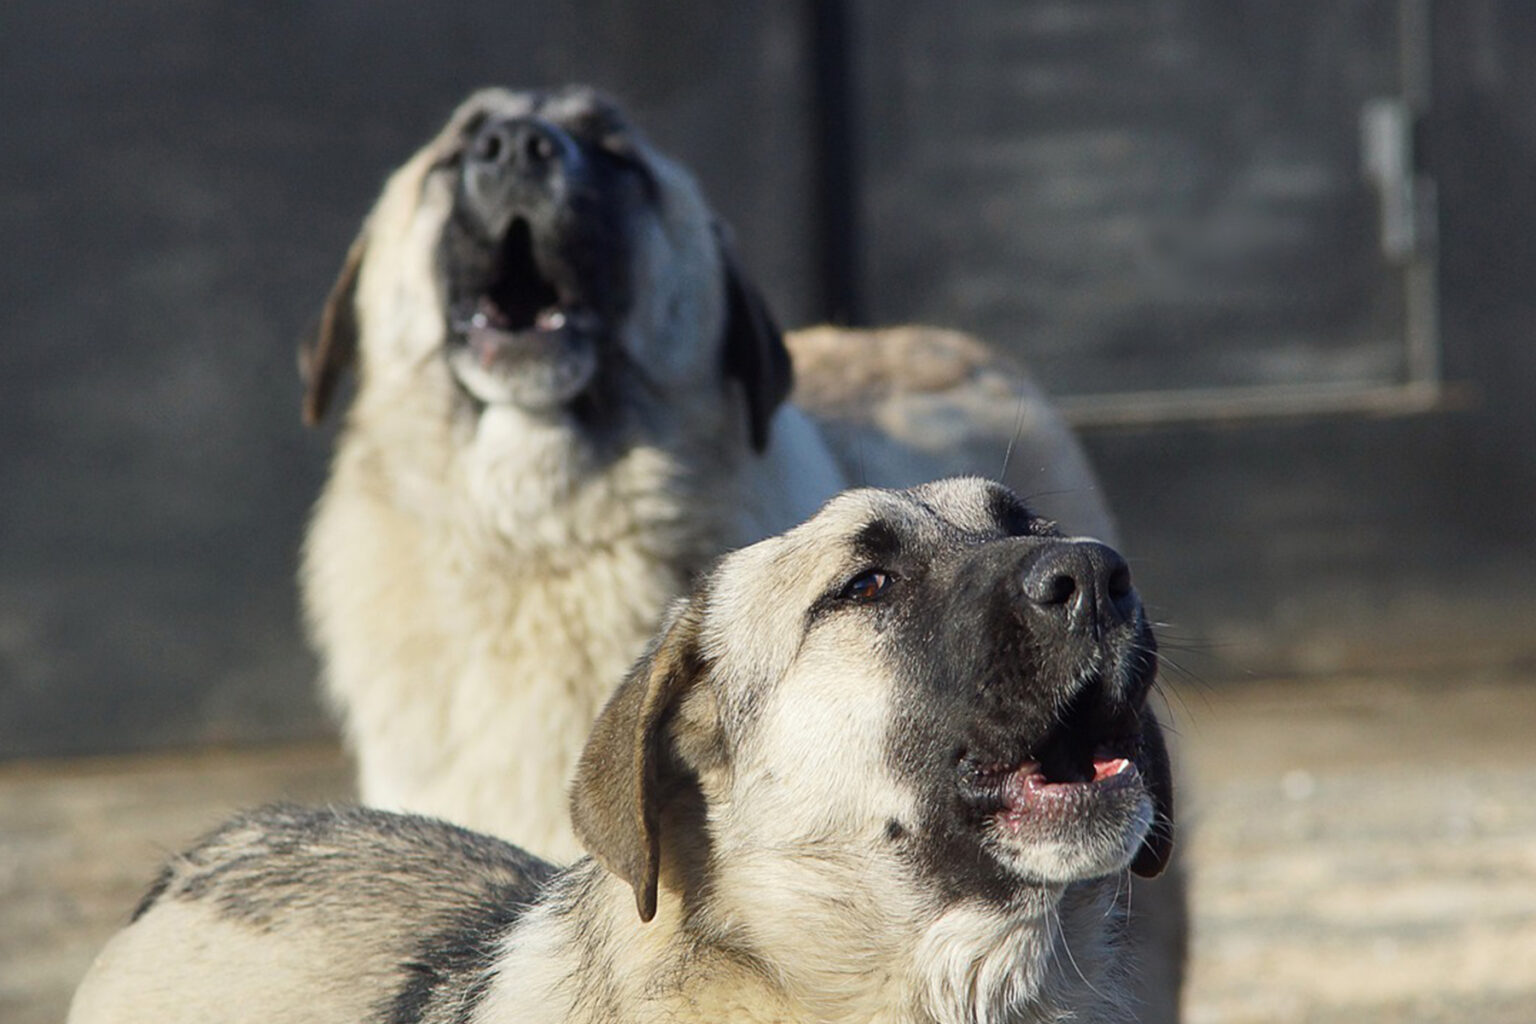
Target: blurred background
x,y
1275,260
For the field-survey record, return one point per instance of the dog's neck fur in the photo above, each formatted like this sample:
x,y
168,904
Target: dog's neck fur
x,y
525,551
967,965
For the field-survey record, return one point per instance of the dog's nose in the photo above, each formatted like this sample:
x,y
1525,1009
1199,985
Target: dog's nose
x,y
525,145
1083,582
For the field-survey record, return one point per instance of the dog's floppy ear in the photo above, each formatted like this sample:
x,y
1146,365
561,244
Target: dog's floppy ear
x,y
331,347
1157,847
618,792
754,351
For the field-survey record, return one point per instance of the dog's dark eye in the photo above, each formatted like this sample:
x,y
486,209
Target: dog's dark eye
x,y
866,586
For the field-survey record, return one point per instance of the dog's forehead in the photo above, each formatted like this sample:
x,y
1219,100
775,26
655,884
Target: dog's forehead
x,y
946,512
758,597
960,507
584,110
977,505
578,109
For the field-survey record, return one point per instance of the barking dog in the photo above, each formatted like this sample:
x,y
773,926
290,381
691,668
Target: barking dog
x,y
569,401
887,766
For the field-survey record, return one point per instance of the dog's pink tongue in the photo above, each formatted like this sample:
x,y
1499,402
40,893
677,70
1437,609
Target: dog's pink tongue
x,y
1029,783
488,344
1108,767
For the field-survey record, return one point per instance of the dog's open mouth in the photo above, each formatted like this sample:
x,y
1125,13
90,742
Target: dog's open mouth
x,y
1084,760
520,304
1047,786
1030,792
526,336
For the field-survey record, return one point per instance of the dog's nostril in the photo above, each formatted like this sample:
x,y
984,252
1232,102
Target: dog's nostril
x,y
1049,588
524,143
489,146
1056,576
537,146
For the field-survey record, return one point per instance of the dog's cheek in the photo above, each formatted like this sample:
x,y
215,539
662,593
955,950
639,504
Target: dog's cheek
x,y
680,301
1157,771
698,743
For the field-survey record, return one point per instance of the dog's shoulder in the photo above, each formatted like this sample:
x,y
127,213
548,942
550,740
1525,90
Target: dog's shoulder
x,y
280,861
350,915
901,405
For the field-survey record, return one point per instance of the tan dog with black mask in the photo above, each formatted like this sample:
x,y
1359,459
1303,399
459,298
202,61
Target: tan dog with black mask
x,y
890,766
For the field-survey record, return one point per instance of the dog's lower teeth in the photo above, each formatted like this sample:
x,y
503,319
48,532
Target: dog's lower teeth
x,y
550,320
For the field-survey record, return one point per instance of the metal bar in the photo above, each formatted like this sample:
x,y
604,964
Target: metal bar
x,y
1230,405
1421,275
1421,291
834,145
1414,54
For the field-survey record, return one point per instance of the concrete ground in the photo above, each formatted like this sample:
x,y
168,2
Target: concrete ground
x,y
1361,850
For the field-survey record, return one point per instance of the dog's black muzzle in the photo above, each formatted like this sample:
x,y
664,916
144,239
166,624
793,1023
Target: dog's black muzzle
x,y
1035,726
1052,637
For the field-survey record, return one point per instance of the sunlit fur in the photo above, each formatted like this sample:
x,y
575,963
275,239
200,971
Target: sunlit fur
x,y
477,580
783,896
476,584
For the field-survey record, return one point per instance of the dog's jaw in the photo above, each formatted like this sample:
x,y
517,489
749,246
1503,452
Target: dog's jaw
x,y
524,336
1076,807
540,370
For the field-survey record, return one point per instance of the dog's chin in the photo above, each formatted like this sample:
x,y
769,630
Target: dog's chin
x,y
1063,832
539,370
1062,829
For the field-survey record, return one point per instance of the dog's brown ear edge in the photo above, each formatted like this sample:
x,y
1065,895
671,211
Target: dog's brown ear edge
x,y
753,349
330,347
1156,848
618,791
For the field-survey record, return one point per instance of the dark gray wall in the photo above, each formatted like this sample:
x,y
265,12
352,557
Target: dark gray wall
x,y
1169,196
1355,542
1141,196
1131,195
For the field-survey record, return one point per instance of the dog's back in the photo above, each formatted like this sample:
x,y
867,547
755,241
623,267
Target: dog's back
x,y
902,405
366,916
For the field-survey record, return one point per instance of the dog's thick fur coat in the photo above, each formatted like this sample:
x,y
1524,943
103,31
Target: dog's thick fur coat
x,y
890,767
483,567
569,400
